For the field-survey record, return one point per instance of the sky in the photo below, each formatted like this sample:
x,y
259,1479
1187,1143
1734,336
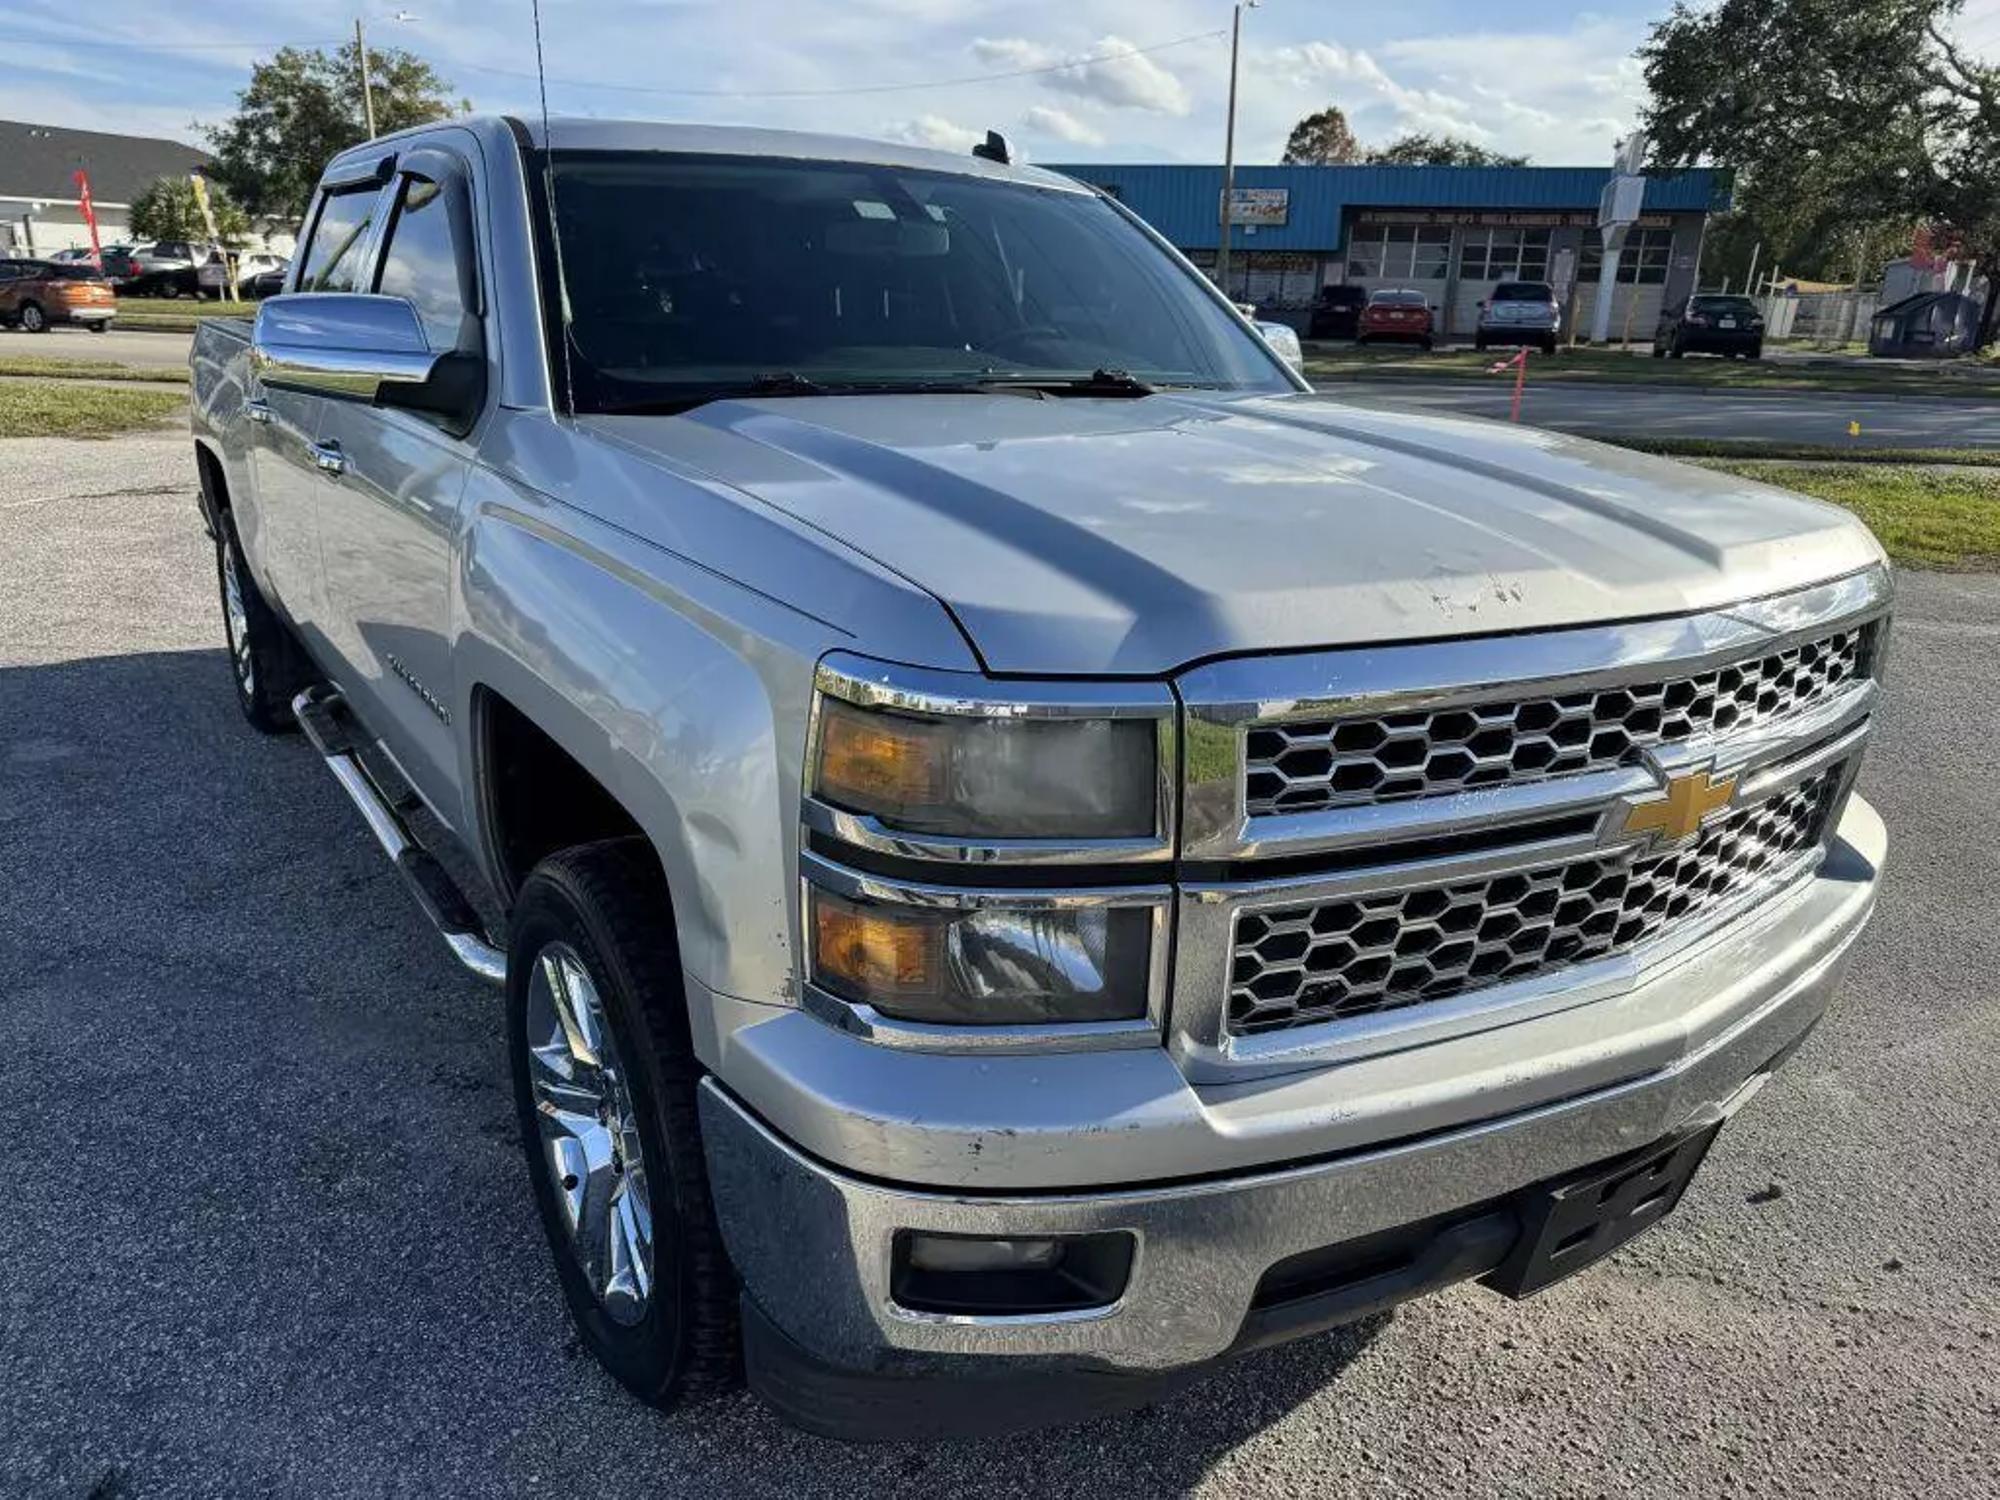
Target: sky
x,y
1093,80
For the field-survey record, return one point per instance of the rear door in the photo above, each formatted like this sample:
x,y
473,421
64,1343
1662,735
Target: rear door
x,y
387,517
280,531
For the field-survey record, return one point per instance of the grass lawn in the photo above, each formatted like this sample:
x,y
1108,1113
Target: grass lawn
x,y
28,409
1925,517
1332,362
88,369
1752,449
175,314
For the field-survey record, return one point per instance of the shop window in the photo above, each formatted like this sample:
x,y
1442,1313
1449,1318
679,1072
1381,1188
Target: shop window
x,y
1644,261
1504,255
1398,252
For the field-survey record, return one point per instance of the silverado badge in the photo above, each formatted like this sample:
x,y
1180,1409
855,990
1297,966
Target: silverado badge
x,y
1677,814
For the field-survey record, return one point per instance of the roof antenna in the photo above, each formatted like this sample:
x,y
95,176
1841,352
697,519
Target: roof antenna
x,y
555,233
995,148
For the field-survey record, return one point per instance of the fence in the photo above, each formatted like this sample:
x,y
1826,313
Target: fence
x,y
1822,317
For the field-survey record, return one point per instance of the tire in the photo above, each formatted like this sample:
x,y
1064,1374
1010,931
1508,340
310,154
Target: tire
x,y
33,319
1548,346
1676,350
1756,352
597,911
265,663
1479,345
102,325
1361,341
1426,343
1659,349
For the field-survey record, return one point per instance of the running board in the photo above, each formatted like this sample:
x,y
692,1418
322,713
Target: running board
x,y
324,717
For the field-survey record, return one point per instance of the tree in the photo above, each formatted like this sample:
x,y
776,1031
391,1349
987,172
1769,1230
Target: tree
x,y
1419,149
1321,140
304,107
1838,114
166,209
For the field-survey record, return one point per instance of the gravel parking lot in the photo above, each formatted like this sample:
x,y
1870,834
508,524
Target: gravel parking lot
x,y
268,1232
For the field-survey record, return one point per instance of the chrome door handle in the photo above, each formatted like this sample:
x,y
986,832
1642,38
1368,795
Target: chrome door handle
x,y
257,411
328,459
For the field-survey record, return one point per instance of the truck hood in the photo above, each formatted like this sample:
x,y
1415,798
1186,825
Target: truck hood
x,y
1091,537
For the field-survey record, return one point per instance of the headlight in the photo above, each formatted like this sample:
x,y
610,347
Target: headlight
x,y
987,965
969,776
913,777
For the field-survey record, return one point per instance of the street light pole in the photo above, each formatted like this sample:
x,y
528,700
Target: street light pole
x,y
367,91
1229,145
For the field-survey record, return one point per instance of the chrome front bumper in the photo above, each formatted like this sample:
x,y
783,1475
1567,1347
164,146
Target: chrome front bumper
x,y
1374,1145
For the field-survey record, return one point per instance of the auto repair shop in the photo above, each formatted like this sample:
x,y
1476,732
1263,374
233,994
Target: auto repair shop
x,y
1448,232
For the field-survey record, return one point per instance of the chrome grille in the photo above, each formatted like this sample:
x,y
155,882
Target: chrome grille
x,y
1294,966
1315,764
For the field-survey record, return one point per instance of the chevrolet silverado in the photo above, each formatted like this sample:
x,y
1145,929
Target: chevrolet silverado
x,y
1027,853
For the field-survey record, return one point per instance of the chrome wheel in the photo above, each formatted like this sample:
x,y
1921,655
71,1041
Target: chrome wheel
x,y
236,620
33,319
589,1133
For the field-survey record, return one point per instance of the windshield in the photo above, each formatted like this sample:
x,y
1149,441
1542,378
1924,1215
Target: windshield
x,y
1524,291
1396,299
685,275
1728,306
78,270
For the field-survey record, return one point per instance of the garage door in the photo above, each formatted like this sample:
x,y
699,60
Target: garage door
x,y
1488,256
1412,257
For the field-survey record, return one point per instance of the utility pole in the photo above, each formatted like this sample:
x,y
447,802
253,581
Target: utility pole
x,y
367,92
1229,145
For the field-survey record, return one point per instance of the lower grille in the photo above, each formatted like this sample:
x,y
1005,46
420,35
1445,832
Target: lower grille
x,y
1355,956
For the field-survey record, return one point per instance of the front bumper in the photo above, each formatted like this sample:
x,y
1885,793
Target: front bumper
x,y
814,1241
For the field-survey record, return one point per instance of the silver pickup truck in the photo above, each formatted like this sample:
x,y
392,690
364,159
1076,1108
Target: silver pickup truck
x,y
1027,853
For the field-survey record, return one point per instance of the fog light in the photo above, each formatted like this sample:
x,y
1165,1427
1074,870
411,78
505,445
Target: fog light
x,y
932,1252
975,1276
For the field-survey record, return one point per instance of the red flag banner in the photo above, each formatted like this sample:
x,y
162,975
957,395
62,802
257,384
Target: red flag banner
x,y
82,180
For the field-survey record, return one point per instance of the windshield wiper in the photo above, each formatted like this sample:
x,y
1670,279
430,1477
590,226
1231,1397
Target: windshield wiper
x,y
1102,381
788,383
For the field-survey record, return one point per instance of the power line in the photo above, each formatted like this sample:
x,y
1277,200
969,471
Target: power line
x,y
63,41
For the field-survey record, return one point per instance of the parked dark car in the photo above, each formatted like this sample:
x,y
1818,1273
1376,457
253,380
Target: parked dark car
x,y
165,268
1730,326
1396,314
1336,314
268,282
35,295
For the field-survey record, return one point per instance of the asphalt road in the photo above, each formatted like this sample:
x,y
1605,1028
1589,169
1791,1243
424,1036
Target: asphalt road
x,y
1654,411
267,1229
117,345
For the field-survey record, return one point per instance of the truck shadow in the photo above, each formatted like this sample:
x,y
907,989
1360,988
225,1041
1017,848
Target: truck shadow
x,y
182,888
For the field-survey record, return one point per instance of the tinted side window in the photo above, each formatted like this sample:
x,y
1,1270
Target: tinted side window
x,y
426,261
339,240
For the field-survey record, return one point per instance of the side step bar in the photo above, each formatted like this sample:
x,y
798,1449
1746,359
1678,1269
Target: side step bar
x,y
324,717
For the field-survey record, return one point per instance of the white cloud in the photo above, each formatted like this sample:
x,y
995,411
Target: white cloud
x,y
1046,119
935,131
1412,108
1111,72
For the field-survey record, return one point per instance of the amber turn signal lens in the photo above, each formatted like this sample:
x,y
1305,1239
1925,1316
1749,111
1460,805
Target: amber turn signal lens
x,y
877,760
869,950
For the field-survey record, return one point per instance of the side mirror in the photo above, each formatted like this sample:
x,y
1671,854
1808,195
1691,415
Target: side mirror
x,y
1284,342
357,347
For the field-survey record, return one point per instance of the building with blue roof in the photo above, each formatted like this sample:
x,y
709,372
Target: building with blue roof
x,y
1452,233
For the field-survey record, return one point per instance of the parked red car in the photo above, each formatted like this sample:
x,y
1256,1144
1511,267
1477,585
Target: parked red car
x,y
1396,314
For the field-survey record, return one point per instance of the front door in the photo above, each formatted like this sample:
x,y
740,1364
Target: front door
x,y
280,531
388,500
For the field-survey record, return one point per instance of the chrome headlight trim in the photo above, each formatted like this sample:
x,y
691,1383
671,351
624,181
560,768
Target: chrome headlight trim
x,y
867,683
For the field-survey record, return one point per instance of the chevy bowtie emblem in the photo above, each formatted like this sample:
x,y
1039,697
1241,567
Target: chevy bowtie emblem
x,y
1677,814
